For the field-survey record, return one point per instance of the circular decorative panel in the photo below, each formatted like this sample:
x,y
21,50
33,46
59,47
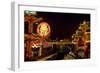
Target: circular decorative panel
x,y
43,29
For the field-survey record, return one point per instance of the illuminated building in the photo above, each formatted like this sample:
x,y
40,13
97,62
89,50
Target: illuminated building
x,y
83,37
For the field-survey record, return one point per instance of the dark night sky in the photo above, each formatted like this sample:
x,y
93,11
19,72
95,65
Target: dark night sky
x,y
63,25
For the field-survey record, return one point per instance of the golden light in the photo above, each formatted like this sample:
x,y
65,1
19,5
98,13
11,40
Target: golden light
x,y
43,29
